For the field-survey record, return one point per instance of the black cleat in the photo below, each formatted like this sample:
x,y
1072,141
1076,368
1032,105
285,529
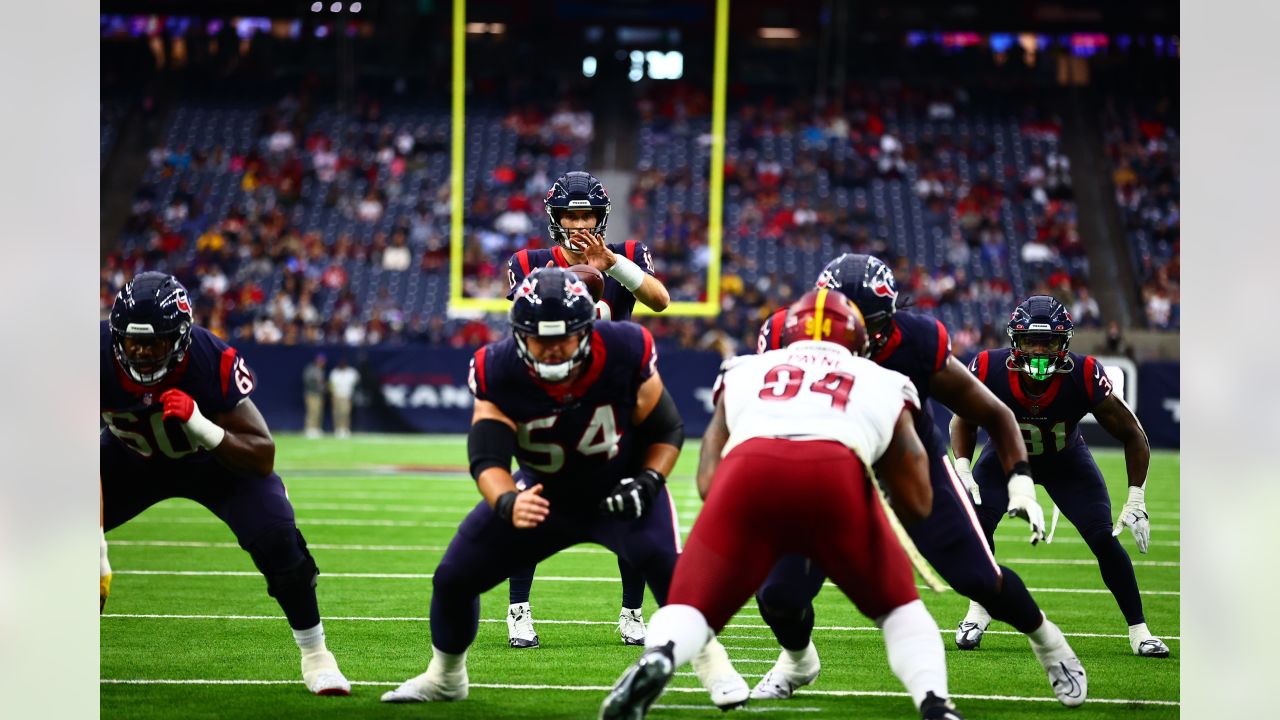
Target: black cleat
x,y
936,708
640,685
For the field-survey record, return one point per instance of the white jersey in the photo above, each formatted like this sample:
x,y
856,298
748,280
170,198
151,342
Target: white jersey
x,y
813,390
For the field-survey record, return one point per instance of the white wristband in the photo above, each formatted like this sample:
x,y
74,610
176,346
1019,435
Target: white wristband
x,y
626,272
962,466
203,431
1137,493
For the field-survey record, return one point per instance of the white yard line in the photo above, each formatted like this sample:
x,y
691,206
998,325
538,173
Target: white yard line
x,y
614,623
606,688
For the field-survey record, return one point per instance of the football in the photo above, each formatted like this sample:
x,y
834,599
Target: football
x,y
592,277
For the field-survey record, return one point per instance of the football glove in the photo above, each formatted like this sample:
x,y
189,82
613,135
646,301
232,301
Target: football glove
x,y
1134,516
202,431
965,473
1023,504
632,496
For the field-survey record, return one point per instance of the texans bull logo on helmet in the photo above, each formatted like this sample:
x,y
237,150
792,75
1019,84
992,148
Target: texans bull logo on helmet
x,y
882,283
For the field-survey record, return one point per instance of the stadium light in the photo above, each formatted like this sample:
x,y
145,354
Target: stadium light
x,y
589,66
356,7
317,6
336,7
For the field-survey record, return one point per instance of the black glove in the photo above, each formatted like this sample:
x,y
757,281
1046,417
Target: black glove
x,y
632,496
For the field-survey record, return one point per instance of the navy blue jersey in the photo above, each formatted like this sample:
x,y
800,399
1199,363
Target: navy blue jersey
x,y
918,347
1050,420
576,437
212,373
616,303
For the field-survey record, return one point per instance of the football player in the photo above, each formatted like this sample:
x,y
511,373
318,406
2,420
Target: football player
x,y
1050,389
577,209
951,539
582,408
817,403
179,423
104,566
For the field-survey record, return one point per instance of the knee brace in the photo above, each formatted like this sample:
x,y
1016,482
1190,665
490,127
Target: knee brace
x,y
281,555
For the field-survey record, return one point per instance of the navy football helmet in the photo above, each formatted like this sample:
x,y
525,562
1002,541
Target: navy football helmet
x,y
573,191
1040,331
826,314
552,302
869,283
152,316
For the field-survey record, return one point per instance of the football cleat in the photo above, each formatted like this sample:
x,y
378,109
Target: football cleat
x,y
936,708
787,675
640,685
429,687
520,632
1151,647
631,626
321,674
104,590
1066,673
969,635
727,688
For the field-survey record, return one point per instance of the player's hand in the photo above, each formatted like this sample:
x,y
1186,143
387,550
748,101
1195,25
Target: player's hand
x,y
591,245
530,508
632,496
1023,504
1134,516
965,473
201,430
104,577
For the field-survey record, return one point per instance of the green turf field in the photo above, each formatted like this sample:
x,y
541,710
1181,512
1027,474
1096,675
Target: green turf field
x,y
190,632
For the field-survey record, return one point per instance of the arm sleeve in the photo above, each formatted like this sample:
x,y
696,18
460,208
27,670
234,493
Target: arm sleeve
x,y
235,381
638,253
476,379
648,355
1097,384
517,268
943,347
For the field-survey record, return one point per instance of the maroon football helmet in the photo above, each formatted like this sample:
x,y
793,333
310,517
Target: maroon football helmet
x,y
826,314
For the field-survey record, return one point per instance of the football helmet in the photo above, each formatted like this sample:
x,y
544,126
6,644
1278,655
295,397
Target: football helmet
x,y
1040,331
552,302
869,283
152,308
826,314
573,191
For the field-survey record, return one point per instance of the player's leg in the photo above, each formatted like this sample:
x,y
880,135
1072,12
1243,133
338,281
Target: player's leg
x,y
520,630
631,617
258,511
785,602
728,555
127,486
990,477
485,551
851,537
1080,491
952,540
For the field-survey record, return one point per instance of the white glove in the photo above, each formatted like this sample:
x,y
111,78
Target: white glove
x,y
965,474
1023,504
1134,516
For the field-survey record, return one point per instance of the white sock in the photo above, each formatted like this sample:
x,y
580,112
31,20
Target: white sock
x,y
1138,633
915,650
799,656
310,640
682,624
445,664
978,614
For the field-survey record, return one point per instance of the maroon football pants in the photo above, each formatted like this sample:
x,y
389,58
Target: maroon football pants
x,y
773,497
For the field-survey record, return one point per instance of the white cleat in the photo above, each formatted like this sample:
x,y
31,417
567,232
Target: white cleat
x,y
1151,647
786,676
727,688
520,632
321,674
972,627
1066,673
631,626
429,689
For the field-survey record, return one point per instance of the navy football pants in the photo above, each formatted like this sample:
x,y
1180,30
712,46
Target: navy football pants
x,y
486,550
1077,487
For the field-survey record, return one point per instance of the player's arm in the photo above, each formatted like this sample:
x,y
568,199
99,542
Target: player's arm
x,y
659,435
647,288
713,442
905,469
491,444
1116,418
246,446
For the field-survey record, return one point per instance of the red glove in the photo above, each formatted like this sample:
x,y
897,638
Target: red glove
x,y
177,404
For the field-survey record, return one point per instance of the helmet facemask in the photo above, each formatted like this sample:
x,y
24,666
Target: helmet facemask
x,y
560,234
153,370
556,372
1039,352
